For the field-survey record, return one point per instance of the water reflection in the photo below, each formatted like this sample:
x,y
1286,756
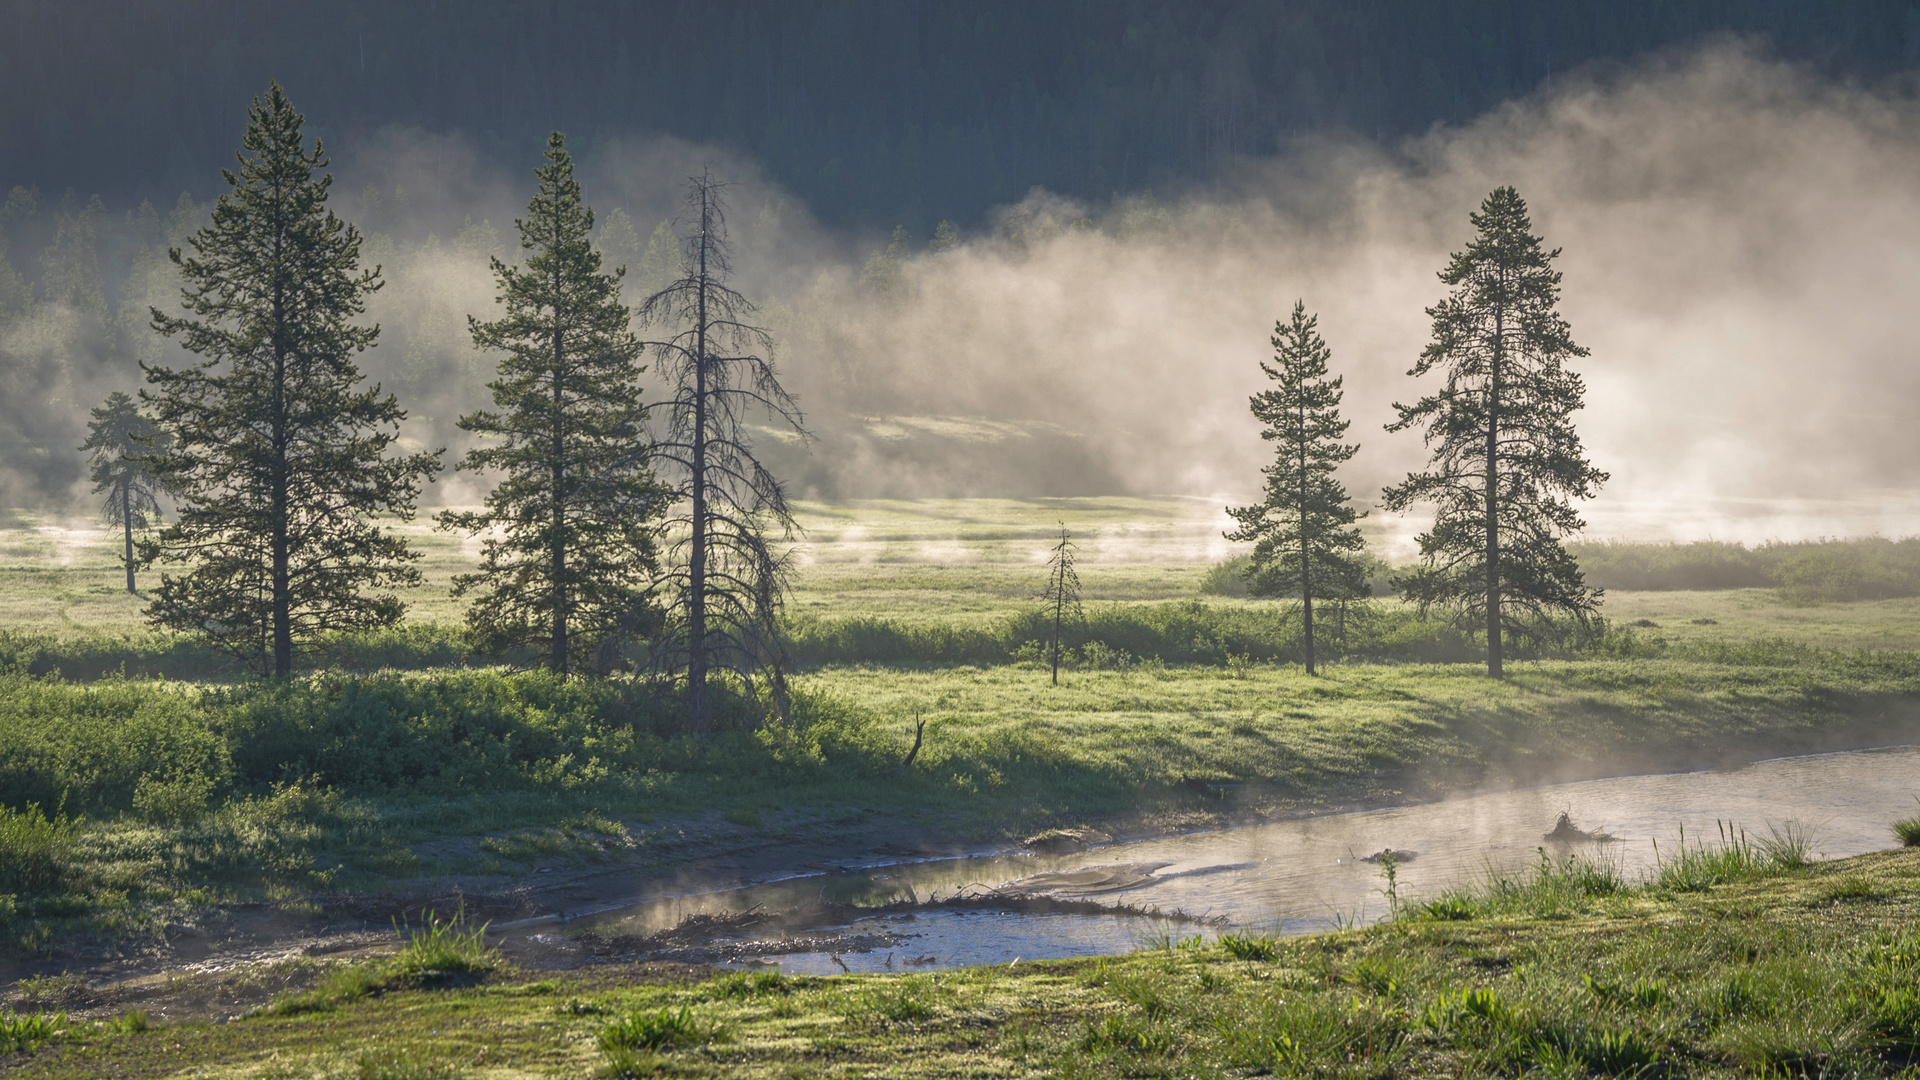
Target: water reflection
x,y
1306,875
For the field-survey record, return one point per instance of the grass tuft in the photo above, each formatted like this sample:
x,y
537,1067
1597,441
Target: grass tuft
x,y
24,1031
445,947
1907,830
654,1029
1250,947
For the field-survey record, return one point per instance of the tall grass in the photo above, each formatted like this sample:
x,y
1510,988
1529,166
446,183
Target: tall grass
x,y
1191,632
34,849
1574,880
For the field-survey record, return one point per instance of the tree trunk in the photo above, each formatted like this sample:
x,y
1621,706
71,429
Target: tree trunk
x,y
1494,665
697,554
126,521
282,575
1059,611
1306,567
558,660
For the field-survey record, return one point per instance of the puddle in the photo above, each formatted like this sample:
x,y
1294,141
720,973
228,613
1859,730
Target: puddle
x,y
1309,874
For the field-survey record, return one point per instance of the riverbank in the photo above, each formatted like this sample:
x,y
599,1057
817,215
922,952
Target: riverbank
x,y
154,872
1729,960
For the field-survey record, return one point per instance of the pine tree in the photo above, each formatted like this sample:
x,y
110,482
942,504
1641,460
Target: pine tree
x,y
279,453
1305,541
725,582
1061,597
118,437
1506,461
573,517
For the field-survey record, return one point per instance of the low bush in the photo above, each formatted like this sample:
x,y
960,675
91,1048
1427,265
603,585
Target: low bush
x,y
34,849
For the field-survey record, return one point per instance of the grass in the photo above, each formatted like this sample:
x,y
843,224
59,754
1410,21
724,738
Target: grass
x,y
1907,830
128,802
1805,969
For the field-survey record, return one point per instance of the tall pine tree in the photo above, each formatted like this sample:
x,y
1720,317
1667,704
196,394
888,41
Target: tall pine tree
x,y
279,453
1305,541
573,516
1506,461
119,437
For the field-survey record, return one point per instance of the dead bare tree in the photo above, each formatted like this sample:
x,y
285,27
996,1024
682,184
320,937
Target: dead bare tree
x,y
724,582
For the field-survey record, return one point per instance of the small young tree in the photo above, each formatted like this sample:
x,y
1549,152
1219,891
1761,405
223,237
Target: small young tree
x,y
117,437
1061,597
1305,541
724,582
573,518
279,453
1506,460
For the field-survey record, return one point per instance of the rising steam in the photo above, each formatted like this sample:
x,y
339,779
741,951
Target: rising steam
x,y
1741,249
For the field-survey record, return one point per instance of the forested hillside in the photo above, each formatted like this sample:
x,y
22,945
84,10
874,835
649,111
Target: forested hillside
x,y
875,113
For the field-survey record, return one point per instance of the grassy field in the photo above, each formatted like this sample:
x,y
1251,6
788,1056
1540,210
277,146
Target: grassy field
x,y
1726,961
160,801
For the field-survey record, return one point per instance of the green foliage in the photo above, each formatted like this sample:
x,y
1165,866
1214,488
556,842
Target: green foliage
x,y
1305,541
570,524
1907,831
129,492
1188,632
653,1029
341,986
1506,462
1249,947
278,455
35,850
25,1032
404,1066
186,657
452,946
1732,857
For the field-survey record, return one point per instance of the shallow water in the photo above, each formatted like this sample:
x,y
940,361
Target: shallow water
x,y
1305,875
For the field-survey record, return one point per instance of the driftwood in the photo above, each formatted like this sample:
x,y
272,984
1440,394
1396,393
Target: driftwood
x,y
1566,832
919,729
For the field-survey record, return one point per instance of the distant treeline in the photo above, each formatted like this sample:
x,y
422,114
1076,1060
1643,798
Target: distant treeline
x,y
1805,571
1813,571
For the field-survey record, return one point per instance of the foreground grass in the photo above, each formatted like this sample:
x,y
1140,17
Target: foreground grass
x,y
1732,965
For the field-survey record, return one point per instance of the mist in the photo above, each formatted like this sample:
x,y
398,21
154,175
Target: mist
x,y
1741,247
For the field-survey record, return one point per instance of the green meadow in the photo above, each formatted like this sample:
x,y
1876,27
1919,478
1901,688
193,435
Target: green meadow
x,y
146,783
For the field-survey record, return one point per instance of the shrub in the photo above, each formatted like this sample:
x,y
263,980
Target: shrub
x,y
35,850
